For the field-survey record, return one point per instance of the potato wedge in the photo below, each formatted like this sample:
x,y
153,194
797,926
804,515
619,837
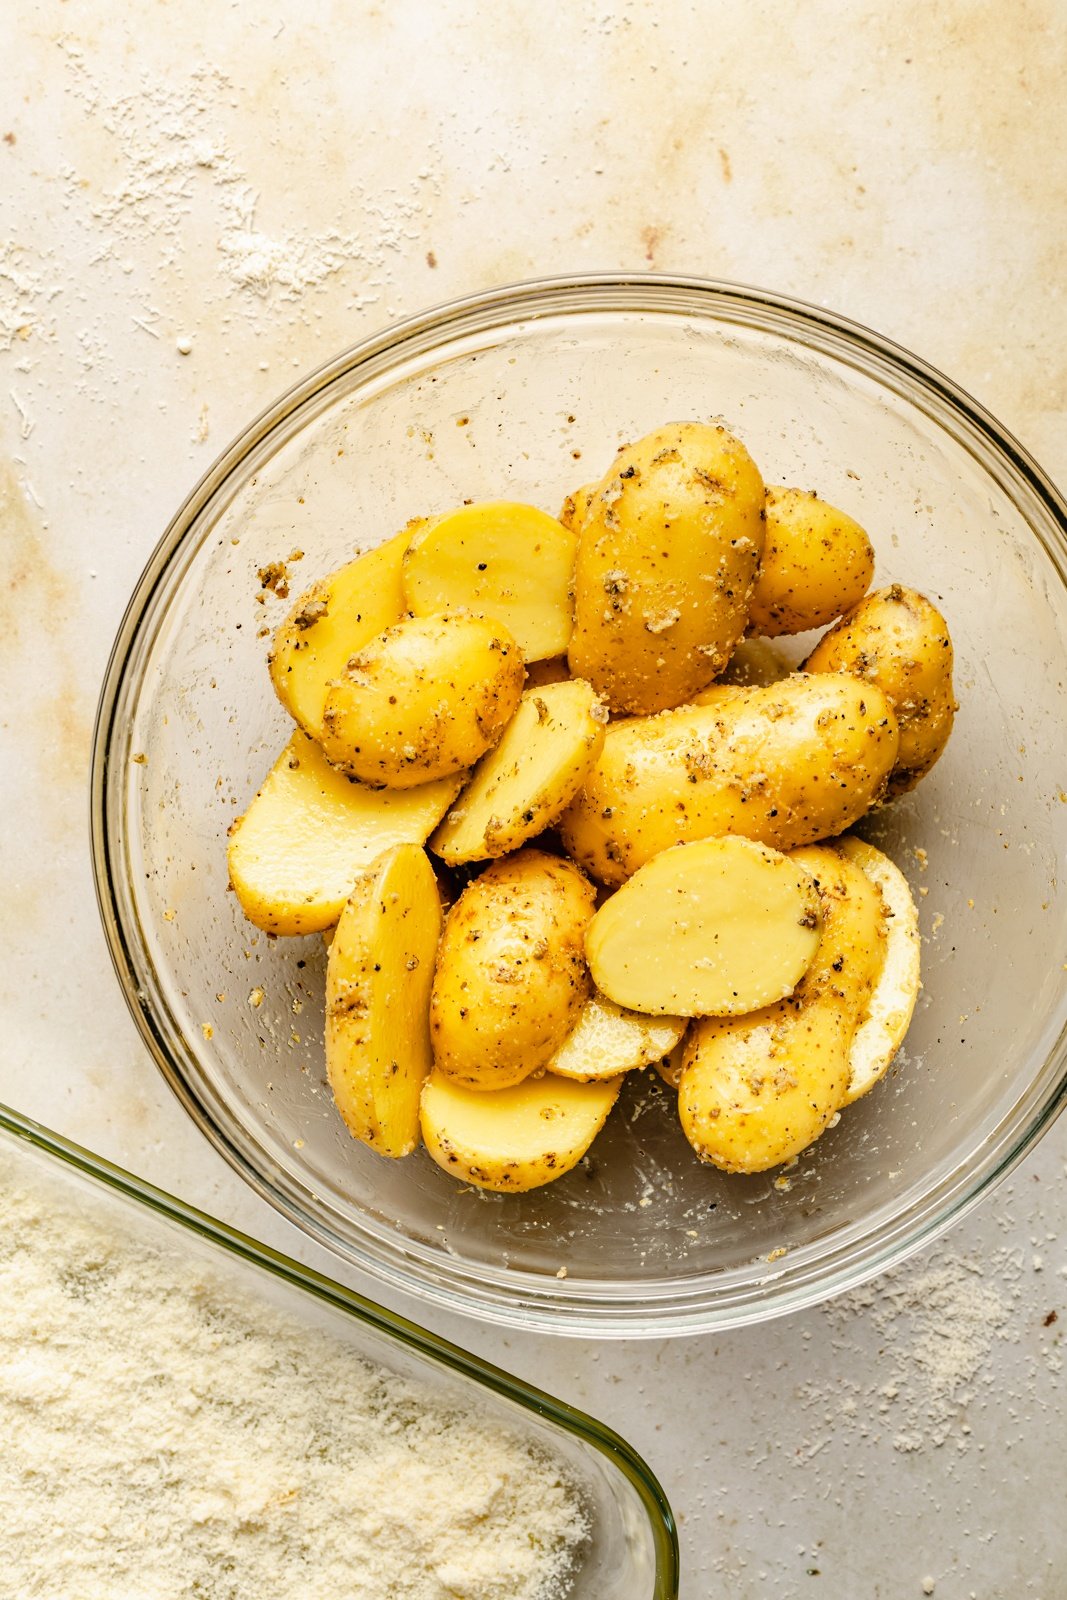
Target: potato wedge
x,y
608,1040
756,1090
526,782
796,761
898,640
668,554
513,1139
503,560
511,976
817,563
378,978
715,928
330,621
888,1013
309,832
425,698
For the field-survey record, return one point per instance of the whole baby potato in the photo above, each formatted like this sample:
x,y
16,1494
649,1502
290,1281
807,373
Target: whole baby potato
x,y
668,554
425,699
898,640
511,977
785,764
817,563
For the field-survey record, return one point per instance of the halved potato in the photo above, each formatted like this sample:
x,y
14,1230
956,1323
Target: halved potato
x,y
526,783
715,928
511,1140
607,1040
378,977
503,560
335,617
309,832
888,1014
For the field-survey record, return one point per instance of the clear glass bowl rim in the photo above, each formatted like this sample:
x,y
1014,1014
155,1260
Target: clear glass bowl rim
x,y
524,1300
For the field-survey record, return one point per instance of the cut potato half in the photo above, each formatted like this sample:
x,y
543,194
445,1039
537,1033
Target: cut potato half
x,y
297,851
608,1040
511,1140
526,783
335,617
889,1010
715,928
503,560
378,977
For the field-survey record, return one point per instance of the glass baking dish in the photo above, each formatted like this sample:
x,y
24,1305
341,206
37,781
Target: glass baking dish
x,y
631,1552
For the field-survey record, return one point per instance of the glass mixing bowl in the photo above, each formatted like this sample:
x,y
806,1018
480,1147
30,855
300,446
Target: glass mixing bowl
x,y
525,393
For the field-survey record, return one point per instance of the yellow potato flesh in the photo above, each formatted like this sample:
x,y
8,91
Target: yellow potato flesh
x,y
525,783
756,1090
424,699
817,563
513,1139
607,1040
709,929
785,764
887,1015
507,561
331,620
309,832
378,977
898,640
668,553
511,976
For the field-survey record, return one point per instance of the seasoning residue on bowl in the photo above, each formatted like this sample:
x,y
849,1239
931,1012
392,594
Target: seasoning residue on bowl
x,y
167,1435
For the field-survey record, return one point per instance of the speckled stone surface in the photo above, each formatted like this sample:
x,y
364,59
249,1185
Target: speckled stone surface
x,y
196,206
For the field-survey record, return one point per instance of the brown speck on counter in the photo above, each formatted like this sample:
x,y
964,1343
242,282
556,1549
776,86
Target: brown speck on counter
x,y
651,238
431,259
724,163
9,138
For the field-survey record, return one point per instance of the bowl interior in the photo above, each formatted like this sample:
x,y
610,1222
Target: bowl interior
x,y
526,400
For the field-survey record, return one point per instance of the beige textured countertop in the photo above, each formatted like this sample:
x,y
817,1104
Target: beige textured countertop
x,y
195,207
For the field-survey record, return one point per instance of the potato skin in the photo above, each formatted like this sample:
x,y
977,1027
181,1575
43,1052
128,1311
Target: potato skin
x,y
897,639
668,554
573,510
426,698
756,1090
817,563
511,977
785,764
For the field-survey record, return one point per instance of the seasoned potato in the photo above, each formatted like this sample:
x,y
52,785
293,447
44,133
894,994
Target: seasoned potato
x,y
888,1013
607,1040
336,616
296,852
504,560
670,1068
756,1090
378,978
523,785
816,564
511,976
539,674
424,699
513,1139
753,664
573,510
787,764
668,554
713,928
896,639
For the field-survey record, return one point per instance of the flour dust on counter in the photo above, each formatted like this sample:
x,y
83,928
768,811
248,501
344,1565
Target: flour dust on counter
x,y
168,1438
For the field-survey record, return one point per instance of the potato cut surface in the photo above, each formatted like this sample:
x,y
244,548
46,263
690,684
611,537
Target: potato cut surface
x,y
607,1040
888,1013
335,617
309,832
513,1139
378,977
710,929
504,560
527,781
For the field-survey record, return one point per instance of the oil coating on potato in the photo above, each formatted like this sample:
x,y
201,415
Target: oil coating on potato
x,y
512,1140
607,1040
816,564
713,928
897,639
785,764
572,512
668,554
756,1090
426,698
511,976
